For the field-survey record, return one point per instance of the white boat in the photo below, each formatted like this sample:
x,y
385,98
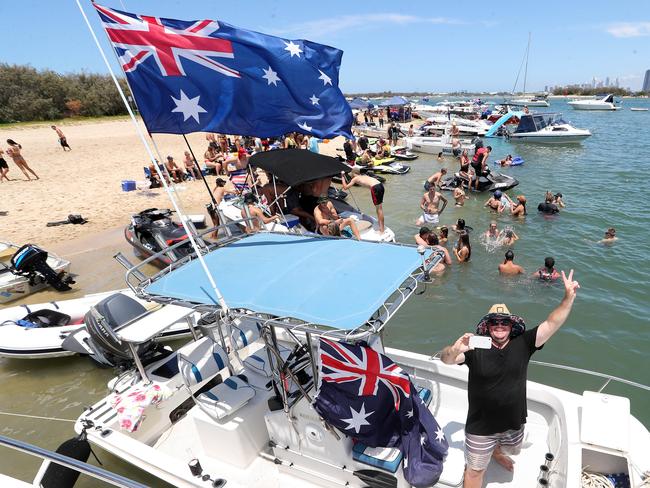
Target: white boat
x,y
465,127
528,101
14,286
435,145
43,334
236,407
605,103
547,128
638,109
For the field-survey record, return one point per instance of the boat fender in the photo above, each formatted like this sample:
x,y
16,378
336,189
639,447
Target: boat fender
x,y
57,476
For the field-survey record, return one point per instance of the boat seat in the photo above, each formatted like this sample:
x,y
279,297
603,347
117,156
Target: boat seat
x,y
258,362
387,458
245,333
200,361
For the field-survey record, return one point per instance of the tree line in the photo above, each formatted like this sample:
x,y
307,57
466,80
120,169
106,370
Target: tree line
x,y
28,94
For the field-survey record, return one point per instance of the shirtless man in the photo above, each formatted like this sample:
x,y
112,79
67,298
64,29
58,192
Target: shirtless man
x,y
325,214
435,179
430,207
376,192
495,203
508,267
62,139
460,196
251,210
174,171
190,165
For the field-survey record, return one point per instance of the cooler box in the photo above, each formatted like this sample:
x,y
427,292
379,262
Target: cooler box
x,y
128,185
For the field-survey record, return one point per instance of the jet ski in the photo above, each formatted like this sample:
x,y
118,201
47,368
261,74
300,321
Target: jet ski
x,y
402,152
386,166
153,230
489,182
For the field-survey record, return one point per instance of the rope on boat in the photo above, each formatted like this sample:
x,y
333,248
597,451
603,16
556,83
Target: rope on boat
x,y
595,480
38,417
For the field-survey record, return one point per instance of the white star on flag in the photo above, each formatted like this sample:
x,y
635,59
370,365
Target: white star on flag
x,y
409,414
314,99
326,79
358,419
304,126
423,439
440,435
189,107
294,49
271,76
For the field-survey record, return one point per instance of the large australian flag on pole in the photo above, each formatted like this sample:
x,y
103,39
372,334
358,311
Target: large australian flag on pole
x,y
370,398
205,75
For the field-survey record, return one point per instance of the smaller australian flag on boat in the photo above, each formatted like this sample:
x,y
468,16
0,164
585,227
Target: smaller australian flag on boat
x,y
205,75
368,397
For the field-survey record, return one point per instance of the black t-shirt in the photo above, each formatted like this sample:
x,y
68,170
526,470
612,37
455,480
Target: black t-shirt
x,y
363,142
548,208
349,153
497,385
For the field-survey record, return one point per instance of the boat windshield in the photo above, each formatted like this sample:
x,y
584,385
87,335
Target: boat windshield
x,y
537,122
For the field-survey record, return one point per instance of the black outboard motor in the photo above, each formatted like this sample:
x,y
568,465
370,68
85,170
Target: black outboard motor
x,y
103,321
31,261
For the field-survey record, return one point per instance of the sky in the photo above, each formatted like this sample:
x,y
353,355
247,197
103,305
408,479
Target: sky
x,y
388,45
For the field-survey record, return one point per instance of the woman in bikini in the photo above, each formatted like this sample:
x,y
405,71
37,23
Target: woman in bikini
x,y
19,160
463,249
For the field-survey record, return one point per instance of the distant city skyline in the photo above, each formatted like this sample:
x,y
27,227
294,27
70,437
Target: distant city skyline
x,y
474,47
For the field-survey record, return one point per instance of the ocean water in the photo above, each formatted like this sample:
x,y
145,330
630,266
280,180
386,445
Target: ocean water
x,y
604,185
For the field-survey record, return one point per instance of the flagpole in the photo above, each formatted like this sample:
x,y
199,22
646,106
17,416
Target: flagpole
x,y
138,129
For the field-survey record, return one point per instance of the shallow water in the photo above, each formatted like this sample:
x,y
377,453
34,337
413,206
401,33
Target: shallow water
x,y
603,185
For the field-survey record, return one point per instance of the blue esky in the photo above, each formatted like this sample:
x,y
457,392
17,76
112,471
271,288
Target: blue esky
x,y
398,46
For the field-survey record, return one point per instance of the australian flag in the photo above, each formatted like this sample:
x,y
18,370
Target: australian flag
x,y
370,398
205,75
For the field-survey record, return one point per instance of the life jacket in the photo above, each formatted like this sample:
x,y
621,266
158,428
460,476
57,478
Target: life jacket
x,y
478,155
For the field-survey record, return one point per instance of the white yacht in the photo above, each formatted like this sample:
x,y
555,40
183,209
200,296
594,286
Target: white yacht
x,y
241,404
547,128
605,103
435,145
442,123
529,101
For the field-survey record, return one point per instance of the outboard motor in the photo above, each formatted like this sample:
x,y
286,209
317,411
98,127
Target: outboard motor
x,y
102,323
31,261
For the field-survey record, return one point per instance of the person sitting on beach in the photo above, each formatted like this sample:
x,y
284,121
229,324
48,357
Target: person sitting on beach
x,y
435,179
174,171
62,139
492,232
190,166
548,207
460,196
4,168
212,141
250,209
213,159
430,205
557,200
325,214
508,267
376,192
518,209
548,272
443,237
507,161
13,151
463,249
494,202
610,236
508,237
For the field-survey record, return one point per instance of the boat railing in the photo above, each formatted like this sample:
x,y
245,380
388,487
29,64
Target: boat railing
x,y
74,464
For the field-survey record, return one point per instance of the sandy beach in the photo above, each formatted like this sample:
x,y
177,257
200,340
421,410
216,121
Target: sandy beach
x,y
87,180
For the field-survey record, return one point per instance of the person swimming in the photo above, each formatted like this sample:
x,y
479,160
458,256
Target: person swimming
x,y
610,236
548,272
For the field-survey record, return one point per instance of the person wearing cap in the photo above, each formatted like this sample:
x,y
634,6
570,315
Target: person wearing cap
x,y
495,203
376,192
251,210
325,214
237,169
508,267
496,387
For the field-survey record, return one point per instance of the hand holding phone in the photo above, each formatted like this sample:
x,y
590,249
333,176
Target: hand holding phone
x,y
480,342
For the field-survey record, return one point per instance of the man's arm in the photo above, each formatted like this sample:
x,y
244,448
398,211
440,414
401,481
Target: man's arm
x,y
423,203
347,184
318,217
558,316
455,354
444,203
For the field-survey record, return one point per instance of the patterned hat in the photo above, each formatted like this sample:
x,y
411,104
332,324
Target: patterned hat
x,y
500,313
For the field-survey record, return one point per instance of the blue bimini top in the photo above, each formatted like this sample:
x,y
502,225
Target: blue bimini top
x,y
337,283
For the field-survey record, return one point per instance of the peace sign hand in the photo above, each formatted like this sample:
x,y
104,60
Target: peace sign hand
x,y
570,286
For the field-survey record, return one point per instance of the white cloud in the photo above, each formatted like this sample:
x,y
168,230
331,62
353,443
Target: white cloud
x,y
329,26
629,29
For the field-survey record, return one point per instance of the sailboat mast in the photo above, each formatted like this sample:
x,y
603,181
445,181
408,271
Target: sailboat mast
x,y
526,68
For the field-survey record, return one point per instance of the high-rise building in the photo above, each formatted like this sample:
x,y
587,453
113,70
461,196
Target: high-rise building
x,y
607,81
646,82
616,83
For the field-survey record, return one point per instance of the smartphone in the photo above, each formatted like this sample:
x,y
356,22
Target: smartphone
x,y
480,342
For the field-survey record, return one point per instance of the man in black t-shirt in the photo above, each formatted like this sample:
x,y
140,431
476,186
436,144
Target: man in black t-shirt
x,y
548,207
496,386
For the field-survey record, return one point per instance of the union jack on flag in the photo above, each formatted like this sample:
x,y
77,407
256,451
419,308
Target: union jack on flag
x,y
206,75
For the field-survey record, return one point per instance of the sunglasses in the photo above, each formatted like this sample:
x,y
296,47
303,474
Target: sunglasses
x,y
500,323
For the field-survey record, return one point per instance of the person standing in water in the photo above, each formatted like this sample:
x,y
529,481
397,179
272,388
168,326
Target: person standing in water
x,y
508,267
14,152
430,205
463,249
548,271
62,139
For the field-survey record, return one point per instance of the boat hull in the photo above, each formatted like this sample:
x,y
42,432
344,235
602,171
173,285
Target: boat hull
x,y
607,107
549,139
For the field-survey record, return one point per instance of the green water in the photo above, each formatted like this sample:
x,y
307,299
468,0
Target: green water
x,y
604,184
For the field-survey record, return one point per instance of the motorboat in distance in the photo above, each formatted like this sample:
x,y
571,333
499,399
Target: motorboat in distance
x,y
605,103
547,128
529,102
